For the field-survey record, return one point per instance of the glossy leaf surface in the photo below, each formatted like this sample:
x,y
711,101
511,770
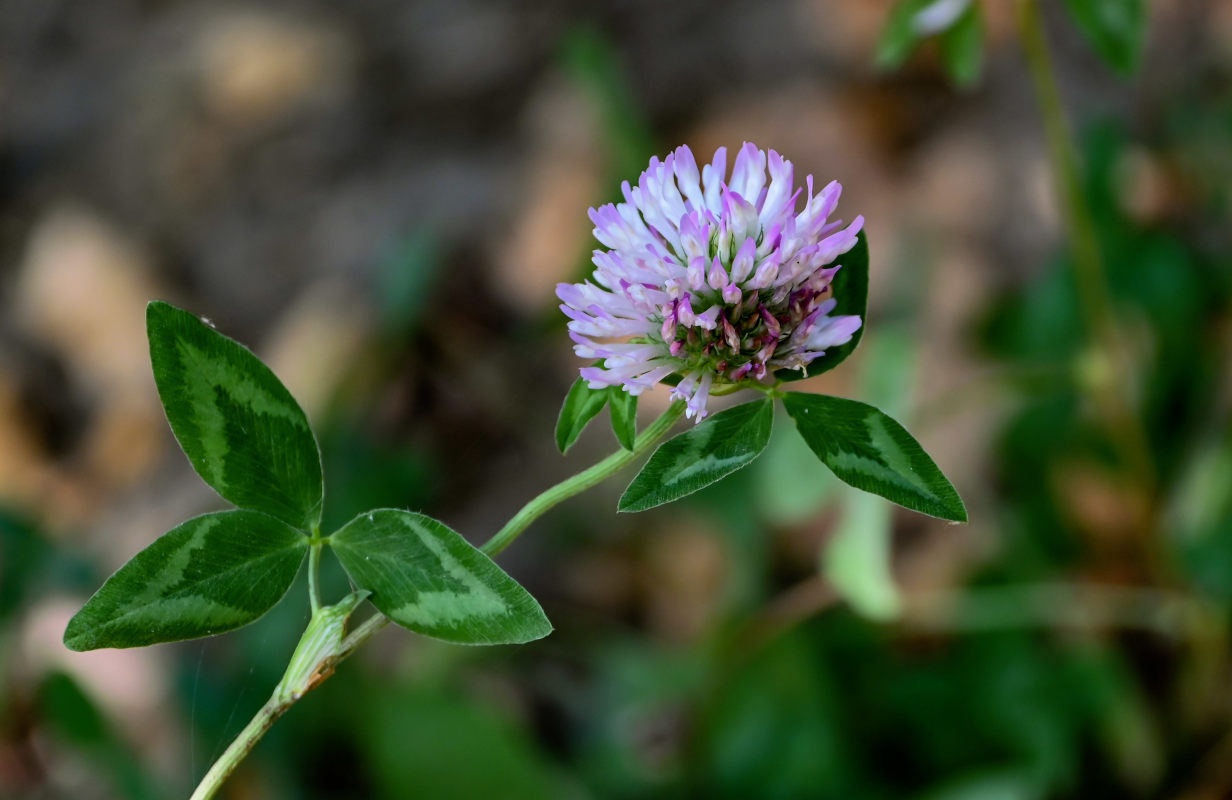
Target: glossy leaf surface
x,y
239,426
426,577
693,460
623,407
870,451
580,407
213,573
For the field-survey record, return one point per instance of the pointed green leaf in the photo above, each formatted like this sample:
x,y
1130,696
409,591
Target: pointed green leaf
x,y
239,426
962,47
427,578
870,451
1115,29
697,458
623,408
850,288
213,573
580,407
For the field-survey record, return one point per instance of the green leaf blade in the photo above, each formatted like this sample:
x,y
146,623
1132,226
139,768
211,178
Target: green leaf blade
x,y
211,574
1115,29
850,290
428,579
693,460
623,408
580,407
962,48
870,451
239,426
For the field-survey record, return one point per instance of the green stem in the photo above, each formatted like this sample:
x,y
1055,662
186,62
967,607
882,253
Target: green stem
x,y
362,634
1063,162
239,748
1110,386
323,645
320,649
582,481
539,505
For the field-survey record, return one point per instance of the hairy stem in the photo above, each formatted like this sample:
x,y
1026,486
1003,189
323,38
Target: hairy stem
x,y
320,649
323,645
239,748
582,481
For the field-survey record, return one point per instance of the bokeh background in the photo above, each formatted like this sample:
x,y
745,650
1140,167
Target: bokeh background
x,y
379,197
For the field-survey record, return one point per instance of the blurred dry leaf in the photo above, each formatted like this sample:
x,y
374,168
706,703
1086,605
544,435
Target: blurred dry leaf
x,y
256,66
685,571
551,232
314,343
24,469
82,289
130,685
1104,506
600,579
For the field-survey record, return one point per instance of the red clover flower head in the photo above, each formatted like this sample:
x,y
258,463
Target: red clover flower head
x,y
715,280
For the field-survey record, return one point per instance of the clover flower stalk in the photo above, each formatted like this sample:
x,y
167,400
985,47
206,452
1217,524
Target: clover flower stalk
x,y
716,281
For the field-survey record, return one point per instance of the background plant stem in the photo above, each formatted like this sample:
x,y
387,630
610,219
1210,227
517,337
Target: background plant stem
x,y
1109,379
1063,161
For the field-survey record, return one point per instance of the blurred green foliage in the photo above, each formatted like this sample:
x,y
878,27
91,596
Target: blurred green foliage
x,y
1114,29
960,37
74,719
